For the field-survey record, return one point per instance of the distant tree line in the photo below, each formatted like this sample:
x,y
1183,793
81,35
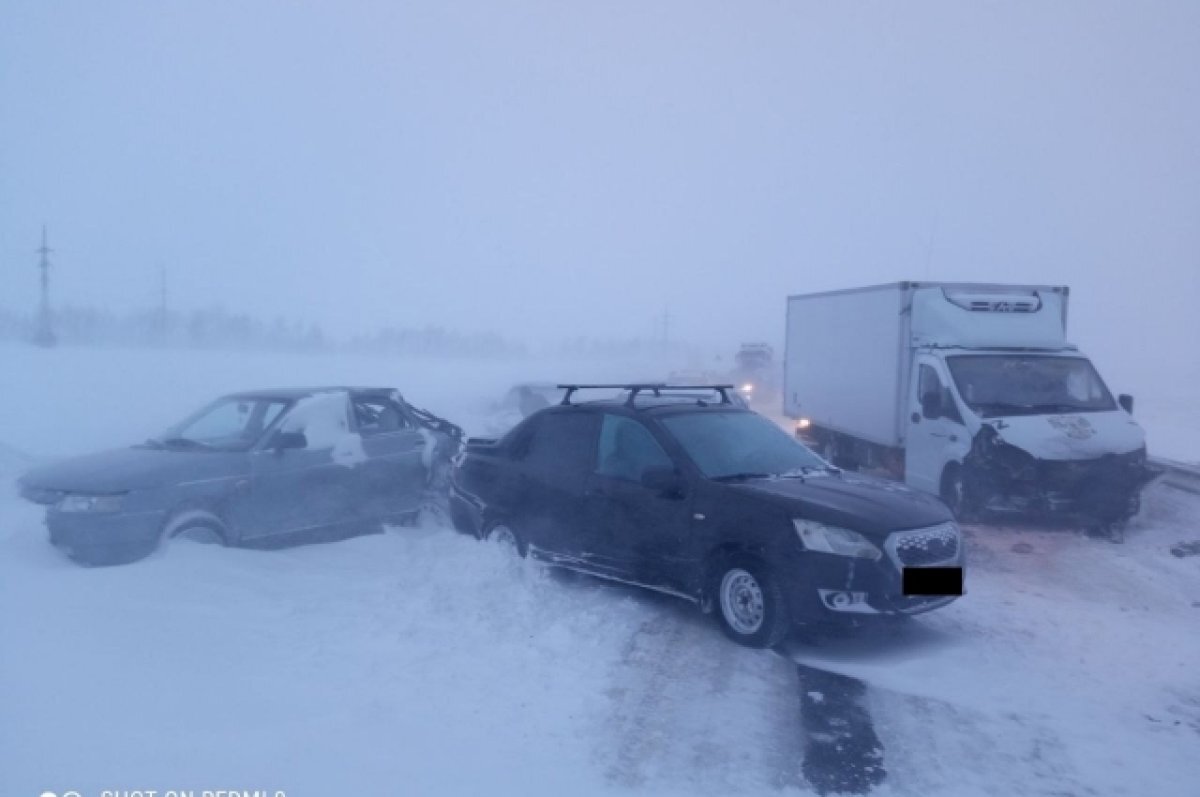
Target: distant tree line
x,y
220,329
216,328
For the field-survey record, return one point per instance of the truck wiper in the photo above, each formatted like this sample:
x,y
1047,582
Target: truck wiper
x,y
1059,408
1003,408
741,477
184,442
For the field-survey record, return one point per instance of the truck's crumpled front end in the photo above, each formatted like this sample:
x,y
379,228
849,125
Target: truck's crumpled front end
x,y
999,477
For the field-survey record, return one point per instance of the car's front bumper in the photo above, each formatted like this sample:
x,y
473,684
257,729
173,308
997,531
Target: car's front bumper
x,y
832,587
81,534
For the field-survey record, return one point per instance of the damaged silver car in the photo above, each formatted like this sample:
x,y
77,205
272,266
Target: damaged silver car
x,y
253,469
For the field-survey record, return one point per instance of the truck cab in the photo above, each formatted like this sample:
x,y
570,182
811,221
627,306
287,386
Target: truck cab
x,y
1017,431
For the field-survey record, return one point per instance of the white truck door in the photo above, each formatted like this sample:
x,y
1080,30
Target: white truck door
x,y
936,434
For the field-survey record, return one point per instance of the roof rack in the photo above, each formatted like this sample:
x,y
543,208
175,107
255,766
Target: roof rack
x,y
634,389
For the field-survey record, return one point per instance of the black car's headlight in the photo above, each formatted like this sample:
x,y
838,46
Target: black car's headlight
x,y
91,503
835,540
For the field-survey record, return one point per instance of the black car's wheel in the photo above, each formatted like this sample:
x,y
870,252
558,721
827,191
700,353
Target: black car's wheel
x,y
502,535
750,603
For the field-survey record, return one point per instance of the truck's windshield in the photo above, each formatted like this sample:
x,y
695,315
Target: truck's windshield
x,y
1028,384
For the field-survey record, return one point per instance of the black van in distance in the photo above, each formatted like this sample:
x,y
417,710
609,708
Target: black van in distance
x,y
705,500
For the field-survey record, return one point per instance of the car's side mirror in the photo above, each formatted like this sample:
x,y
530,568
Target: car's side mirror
x,y
664,481
931,405
286,440
1126,402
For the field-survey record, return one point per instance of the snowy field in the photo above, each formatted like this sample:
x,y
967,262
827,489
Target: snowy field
x,y
423,662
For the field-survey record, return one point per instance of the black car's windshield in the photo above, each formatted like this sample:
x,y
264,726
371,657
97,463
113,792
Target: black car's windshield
x,y
731,445
228,424
1015,384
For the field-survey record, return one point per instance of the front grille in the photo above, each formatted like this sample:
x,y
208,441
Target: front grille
x,y
924,547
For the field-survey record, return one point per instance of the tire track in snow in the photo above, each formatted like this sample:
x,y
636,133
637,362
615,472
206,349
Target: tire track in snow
x,y
688,707
843,754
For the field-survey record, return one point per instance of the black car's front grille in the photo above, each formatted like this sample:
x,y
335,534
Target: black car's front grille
x,y
923,547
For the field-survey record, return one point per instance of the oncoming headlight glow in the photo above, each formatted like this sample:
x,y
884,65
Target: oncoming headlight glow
x,y
748,388
90,503
835,540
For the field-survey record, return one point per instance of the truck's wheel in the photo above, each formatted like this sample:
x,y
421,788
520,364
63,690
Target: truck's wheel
x,y
750,603
954,493
838,451
829,450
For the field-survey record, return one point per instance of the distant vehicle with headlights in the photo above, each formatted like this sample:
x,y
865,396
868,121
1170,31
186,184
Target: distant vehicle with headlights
x,y
966,391
711,502
756,374
252,469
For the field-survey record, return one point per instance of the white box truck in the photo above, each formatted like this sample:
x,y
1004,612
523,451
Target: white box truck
x,y
967,391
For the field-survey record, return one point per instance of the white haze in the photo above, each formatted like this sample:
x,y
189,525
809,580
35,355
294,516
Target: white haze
x,y
543,168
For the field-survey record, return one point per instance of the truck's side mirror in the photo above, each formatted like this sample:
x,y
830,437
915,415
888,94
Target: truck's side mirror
x,y
931,405
1126,402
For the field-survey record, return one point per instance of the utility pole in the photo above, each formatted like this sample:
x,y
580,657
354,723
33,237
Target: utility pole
x,y
162,303
43,334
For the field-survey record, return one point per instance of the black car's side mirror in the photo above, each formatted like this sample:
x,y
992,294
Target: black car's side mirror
x,y
1126,402
664,481
931,405
285,440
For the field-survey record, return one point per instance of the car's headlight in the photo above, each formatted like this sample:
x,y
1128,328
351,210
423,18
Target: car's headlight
x,y
91,503
835,540
748,388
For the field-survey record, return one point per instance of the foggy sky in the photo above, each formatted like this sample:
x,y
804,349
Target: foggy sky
x,y
573,168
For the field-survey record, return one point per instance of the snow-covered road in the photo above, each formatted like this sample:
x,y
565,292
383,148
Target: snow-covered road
x,y
1069,668
423,662
417,662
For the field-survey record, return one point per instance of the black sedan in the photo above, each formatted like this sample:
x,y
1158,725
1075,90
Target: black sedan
x,y
251,469
710,502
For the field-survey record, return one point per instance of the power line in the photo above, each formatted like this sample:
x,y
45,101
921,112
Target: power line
x,y
43,334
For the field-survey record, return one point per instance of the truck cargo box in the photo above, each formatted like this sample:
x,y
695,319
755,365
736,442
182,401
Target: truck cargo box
x,y
849,353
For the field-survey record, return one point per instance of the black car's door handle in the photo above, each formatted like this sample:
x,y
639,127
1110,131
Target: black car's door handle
x,y
916,417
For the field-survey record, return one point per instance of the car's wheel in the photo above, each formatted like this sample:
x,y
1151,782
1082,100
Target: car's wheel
x,y
432,513
750,603
503,536
194,526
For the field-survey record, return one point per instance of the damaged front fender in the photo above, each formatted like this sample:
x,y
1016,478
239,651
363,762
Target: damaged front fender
x,y
1000,477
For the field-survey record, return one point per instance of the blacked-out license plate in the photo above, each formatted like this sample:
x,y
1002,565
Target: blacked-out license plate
x,y
932,581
